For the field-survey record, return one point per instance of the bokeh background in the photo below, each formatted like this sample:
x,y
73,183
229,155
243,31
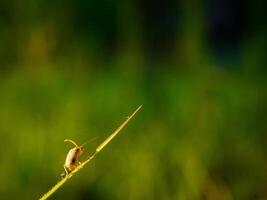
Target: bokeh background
x,y
76,69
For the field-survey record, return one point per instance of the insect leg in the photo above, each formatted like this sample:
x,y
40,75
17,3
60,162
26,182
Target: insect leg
x,y
67,172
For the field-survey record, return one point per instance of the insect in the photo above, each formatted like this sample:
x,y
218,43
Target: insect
x,y
75,153
72,159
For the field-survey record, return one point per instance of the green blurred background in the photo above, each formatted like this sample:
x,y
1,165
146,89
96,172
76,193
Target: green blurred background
x,y
76,69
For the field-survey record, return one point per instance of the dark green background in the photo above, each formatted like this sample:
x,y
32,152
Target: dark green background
x,y
76,69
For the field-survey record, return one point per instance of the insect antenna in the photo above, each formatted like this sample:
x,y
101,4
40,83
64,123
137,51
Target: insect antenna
x,y
88,141
71,141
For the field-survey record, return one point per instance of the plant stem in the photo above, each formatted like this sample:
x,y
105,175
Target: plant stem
x,y
98,149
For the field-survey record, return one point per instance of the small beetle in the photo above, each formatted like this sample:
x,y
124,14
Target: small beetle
x,y
72,158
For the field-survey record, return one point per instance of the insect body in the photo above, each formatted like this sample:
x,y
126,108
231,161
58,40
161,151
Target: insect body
x,y
72,159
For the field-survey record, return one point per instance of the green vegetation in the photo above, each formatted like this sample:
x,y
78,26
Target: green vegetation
x,y
72,69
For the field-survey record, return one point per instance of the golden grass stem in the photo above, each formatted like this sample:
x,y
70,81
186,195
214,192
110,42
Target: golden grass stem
x,y
98,149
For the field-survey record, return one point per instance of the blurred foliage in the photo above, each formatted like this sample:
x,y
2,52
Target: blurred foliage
x,y
76,69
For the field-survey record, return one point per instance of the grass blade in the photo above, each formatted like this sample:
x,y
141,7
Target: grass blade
x,y
98,149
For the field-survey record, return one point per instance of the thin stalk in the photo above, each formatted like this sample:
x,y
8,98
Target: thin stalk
x,y
98,149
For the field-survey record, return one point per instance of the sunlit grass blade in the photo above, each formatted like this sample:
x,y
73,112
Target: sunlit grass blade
x,y
98,149
106,141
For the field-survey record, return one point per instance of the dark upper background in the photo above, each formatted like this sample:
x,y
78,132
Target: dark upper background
x,y
76,69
